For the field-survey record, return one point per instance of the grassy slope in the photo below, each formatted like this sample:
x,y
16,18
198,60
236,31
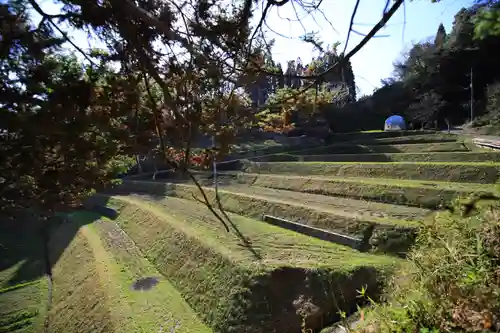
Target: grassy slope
x,y
389,157
271,147
368,143
484,173
80,292
385,148
22,310
23,286
468,142
339,215
412,139
428,194
381,135
363,210
228,285
92,286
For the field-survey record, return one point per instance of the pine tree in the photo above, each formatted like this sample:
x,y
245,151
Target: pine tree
x,y
60,121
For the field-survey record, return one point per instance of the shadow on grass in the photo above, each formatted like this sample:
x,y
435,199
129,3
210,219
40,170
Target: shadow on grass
x,y
21,250
29,248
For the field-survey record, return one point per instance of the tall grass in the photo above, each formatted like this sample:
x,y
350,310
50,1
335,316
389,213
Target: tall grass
x,y
452,279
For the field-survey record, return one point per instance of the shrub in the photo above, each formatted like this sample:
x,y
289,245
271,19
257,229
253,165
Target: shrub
x,y
452,280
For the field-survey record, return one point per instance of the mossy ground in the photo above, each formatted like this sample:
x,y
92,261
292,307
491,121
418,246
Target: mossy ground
x,y
477,172
93,281
265,280
388,157
419,193
23,285
231,283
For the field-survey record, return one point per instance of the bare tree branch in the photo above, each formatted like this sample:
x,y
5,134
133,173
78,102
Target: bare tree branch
x,y
385,18
49,18
355,10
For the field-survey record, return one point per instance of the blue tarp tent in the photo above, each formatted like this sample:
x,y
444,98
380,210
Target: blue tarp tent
x,y
395,123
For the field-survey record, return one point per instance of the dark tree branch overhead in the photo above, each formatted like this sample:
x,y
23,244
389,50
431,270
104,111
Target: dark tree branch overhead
x,y
186,57
385,18
134,10
351,23
49,18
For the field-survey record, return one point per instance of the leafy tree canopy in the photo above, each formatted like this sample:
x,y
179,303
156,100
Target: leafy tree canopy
x,y
61,121
432,82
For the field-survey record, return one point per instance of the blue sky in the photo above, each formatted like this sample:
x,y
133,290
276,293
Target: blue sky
x,y
415,21
374,61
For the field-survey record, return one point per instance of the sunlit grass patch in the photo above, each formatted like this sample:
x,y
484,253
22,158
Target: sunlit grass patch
x,y
477,172
93,281
420,193
238,286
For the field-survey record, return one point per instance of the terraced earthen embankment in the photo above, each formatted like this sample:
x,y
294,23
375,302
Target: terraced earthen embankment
x,y
383,186
166,261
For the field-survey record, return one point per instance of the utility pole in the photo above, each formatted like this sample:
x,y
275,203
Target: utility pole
x,y
471,96
214,163
220,120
